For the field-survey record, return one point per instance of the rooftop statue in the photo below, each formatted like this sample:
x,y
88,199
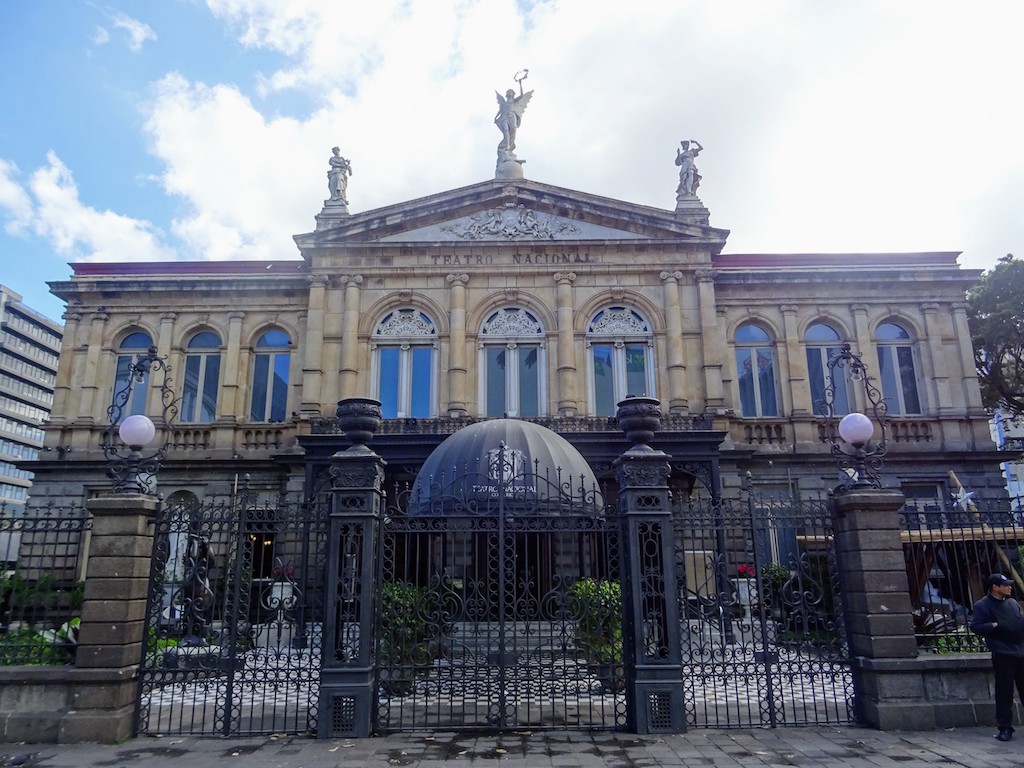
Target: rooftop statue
x,y
508,120
337,176
689,179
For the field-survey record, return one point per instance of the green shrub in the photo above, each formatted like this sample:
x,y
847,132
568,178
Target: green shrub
x,y
25,646
408,623
596,606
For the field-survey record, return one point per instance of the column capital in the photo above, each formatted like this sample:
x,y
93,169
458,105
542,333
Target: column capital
x,y
564,278
168,316
789,309
236,316
705,275
860,308
930,307
671,277
348,280
454,279
317,278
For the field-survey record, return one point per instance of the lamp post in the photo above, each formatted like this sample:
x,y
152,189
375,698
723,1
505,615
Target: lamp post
x,y
134,470
858,454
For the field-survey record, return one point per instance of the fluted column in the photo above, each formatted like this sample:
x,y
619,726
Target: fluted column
x,y
313,347
712,340
350,336
457,345
567,400
91,408
232,401
798,393
674,341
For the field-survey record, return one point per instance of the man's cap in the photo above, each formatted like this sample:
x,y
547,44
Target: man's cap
x,y
998,580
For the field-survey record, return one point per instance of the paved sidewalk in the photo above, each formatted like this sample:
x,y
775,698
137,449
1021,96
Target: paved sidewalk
x,y
818,747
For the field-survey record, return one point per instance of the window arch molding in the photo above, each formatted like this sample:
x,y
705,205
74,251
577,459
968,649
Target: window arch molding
x,y
404,346
202,355
653,314
479,313
822,340
754,343
899,367
271,351
619,343
512,363
132,342
371,316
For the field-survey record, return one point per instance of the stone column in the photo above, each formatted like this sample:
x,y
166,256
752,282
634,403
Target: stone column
x,y
676,364
92,409
350,336
113,624
873,573
970,372
567,401
65,369
313,347
231,399
457,346
862,346
935,365
650,604
347,673
712,341
798,394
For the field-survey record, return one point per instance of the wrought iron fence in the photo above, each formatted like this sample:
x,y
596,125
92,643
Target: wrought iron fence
x,y
949,552
42,580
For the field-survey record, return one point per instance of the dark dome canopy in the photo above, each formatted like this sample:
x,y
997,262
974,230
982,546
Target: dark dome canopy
x,y
505,465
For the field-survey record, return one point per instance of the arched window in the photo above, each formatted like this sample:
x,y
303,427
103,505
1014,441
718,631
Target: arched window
x,y
512,364
755,369
897,370
620,362
128,351
404,342
270,377
824,342
202,377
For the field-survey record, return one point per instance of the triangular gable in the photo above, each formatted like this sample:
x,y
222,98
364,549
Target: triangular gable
x,y
509,211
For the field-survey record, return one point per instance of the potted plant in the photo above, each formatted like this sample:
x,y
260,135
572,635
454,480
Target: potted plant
x,y
408,638
596,606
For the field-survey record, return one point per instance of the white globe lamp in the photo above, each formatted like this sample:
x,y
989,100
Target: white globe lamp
x,y
137,431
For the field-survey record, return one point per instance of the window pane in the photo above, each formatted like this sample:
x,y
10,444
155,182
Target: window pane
x,y
745,380
136,405
908,379
496,381
419,407
604,380
261,366
279,402
211,380
766,380
636,370
273,339
190,394
887,371
529,389
816,379
388,389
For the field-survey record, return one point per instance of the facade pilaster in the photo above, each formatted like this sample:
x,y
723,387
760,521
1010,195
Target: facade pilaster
x,y
676,363
92,410
712,340
971,387
457,347
349,370
568,402
795,365
313,348
231,398
862,342
67,365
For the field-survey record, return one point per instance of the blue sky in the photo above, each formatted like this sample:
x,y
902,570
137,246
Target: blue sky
x,y
181,129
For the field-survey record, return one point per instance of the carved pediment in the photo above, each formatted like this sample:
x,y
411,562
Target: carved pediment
x,y
512,221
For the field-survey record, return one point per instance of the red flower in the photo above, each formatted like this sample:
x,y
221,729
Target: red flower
x,y
746,570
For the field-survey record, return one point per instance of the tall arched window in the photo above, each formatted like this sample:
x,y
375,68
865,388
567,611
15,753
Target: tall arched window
x,y
897,370
823,342
128,352
512,364
404,342
202,378
270,377
755,371
620,362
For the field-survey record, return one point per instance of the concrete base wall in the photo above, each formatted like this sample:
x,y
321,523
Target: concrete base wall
x,y
65,705
927,692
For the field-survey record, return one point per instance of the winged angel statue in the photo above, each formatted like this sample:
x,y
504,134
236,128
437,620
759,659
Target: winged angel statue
x,y
510,112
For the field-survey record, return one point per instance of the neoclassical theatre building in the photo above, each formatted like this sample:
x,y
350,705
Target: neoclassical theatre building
x,y
516,298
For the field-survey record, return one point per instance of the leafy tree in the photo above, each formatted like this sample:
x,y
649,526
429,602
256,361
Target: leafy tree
x,y
995,310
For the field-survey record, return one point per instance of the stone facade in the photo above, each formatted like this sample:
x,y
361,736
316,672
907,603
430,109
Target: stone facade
x,y
573,300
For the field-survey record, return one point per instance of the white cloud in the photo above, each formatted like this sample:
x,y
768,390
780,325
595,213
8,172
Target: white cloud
x,y
14,200
51,208
138,32
101,36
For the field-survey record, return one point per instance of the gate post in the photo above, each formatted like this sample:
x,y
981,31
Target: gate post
x,y
651,641
347,674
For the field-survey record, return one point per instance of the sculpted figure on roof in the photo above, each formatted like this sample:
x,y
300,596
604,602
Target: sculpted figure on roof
x,y
689,179
337,176
508,119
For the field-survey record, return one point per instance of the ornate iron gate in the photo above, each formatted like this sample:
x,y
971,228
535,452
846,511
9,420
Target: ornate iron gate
x,y
499,615
763,640
234,618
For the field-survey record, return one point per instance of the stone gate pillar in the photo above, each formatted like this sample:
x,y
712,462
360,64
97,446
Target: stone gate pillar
x,y
651,650
347,676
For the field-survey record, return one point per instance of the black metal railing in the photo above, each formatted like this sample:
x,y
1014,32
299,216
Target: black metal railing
x,y
42,566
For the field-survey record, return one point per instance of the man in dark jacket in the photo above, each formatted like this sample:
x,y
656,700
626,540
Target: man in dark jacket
x,y
998,618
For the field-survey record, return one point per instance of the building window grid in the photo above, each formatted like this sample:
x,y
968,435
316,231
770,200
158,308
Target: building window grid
x,y
619,360
20,429
271,364
27,328
823,342
512,365
898,370
201,379
755,372
26,349
10,471
18,408
405,364
19,387
129,350
18,365
18,450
